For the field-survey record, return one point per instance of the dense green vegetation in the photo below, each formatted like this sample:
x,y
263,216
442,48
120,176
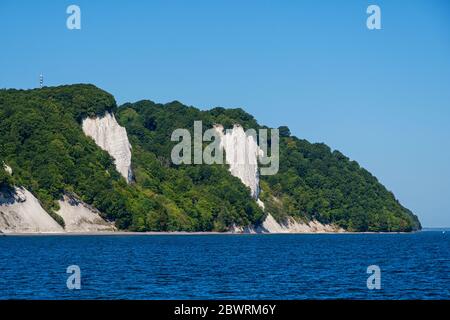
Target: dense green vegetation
x,y
317,183
5,178
42,140
209,197
313,182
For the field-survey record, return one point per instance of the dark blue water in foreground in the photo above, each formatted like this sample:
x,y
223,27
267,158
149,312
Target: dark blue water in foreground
x,y
413,266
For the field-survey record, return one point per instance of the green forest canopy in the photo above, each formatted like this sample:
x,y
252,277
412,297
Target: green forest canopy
x,y
42,140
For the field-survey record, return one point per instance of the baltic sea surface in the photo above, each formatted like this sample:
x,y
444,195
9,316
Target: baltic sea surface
x,y
309,266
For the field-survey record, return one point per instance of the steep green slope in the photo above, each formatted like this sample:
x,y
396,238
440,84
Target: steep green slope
x,y
208,194
5,178
317,183
313,182
42,140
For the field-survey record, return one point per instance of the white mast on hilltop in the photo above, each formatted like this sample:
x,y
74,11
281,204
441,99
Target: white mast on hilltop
x,y
41,80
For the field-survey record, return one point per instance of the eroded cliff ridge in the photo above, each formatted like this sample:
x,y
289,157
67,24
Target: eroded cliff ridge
x,y
21,212
74,140
110,136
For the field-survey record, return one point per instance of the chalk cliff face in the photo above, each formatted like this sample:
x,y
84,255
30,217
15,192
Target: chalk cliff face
x,y
21,212
270,225
111,137
80,217
7,169
241,152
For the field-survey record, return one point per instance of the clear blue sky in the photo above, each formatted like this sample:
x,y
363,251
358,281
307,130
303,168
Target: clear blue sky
x,y
381,97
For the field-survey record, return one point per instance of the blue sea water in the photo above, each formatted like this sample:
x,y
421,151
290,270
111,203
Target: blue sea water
x,y
327,266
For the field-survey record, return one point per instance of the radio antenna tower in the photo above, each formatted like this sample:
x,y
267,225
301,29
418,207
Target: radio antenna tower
x,y
41,80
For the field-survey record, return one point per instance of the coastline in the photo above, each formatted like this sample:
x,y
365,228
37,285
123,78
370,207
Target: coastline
x,y
181,233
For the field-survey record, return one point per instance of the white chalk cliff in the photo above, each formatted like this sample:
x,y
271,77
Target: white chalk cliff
x,y
291,225
111,137
7,169
21,212
242,153
80,217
